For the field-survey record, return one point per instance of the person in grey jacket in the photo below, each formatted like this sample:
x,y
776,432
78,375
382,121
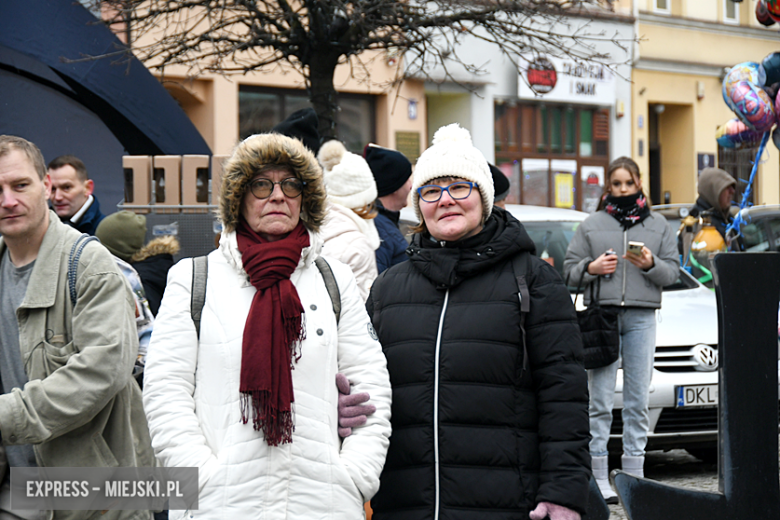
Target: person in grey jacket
x,y
632,284
67,399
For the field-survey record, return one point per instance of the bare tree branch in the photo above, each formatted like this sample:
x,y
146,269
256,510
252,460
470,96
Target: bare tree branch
x,y
314,36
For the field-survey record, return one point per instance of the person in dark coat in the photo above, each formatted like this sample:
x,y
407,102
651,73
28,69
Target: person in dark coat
x,y
716,190
123,234
72,195
500,184
393,175
480,429
302,125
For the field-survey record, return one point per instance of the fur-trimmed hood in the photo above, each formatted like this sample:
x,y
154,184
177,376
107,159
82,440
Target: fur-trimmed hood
x,y
258,151
157,246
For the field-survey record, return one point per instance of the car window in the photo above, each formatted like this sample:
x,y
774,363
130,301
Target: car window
x,y
774,228
552,239
754,237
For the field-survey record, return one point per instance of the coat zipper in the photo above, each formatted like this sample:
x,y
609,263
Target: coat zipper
x,y
625,247
436,405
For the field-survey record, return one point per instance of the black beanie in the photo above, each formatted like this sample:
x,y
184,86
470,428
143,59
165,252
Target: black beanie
x,y
302,125
391,168
500,183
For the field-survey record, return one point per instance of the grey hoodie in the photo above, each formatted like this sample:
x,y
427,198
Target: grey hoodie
x,y
629,286
712,182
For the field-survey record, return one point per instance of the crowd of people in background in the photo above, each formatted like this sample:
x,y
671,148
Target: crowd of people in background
x,y
273,363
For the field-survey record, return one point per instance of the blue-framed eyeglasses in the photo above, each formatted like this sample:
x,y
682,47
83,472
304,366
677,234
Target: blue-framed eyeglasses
x,y
458,190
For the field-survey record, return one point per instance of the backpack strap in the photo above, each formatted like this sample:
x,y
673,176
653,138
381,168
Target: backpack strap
x,y
200,274
330,285
73,263
520,269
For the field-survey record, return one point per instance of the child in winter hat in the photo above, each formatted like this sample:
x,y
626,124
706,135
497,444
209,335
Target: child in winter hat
x,y
348,179
348,232
452,154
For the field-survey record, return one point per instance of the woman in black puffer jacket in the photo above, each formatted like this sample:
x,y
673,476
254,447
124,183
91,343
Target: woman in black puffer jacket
x,y
479,429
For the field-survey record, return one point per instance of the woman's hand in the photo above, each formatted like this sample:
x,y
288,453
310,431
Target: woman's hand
x,y
352,411
605,264
553,512
644,261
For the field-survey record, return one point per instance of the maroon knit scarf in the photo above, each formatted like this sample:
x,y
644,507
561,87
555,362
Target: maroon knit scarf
x,y
273,331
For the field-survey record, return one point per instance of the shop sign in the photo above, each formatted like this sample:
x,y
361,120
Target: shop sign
x,y
555,79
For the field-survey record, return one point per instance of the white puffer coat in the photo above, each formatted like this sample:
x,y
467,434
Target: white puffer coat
x,y
191,398
354,241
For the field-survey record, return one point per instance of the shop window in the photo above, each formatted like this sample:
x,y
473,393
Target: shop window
x,y
536,188
558,153
526,120
555,138
569,132
500,133
586,133
601,132
260,109
257,112
355,118
542,134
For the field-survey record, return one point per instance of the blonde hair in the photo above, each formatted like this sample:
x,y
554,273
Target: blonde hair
x,y
367,212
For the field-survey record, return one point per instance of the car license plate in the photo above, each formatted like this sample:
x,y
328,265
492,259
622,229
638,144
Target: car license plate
x,y
696,395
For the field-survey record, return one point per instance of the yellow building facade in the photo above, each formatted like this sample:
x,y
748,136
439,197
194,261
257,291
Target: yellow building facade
x,y
683,52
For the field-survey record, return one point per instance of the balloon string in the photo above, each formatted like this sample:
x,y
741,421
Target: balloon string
x,y
738,222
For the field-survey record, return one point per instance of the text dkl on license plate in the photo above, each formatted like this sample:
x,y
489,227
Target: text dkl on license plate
x,y
696,395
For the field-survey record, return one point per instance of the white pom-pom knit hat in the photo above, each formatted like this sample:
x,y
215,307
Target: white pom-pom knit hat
x,y
348,178
452,154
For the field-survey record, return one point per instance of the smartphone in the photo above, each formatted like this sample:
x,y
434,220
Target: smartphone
x,y
635,247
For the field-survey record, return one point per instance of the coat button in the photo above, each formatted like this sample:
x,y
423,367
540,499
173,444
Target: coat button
x,y
12,437
319,333
313,307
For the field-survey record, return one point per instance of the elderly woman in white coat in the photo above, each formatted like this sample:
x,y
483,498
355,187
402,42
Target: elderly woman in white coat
x,y
252,401
348,230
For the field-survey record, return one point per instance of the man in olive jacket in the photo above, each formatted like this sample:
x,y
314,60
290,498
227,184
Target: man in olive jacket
x,y
68,398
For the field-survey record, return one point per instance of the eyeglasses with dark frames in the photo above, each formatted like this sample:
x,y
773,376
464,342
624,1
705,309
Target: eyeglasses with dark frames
x,y
262,188
458,190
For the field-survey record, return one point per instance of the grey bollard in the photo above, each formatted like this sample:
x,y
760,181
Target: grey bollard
x,y
747,286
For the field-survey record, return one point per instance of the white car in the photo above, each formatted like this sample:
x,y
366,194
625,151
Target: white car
x,y
684,390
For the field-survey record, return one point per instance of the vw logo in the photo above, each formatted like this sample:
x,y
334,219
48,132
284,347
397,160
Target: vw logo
x,y
706,357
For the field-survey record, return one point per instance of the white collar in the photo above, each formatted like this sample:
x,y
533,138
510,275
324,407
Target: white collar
x,y
80,213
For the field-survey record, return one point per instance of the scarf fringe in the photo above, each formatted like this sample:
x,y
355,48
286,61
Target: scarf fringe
x,y
295,333
277,427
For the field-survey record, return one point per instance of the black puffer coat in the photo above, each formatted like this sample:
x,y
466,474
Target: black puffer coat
x,y
505,438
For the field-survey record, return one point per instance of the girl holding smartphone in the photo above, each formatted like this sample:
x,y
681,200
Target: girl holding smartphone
x,y
631,282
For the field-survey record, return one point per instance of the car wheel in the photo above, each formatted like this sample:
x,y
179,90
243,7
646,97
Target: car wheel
x,y
706,455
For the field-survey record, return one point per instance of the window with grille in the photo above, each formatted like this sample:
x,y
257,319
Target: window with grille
x,y
739,163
